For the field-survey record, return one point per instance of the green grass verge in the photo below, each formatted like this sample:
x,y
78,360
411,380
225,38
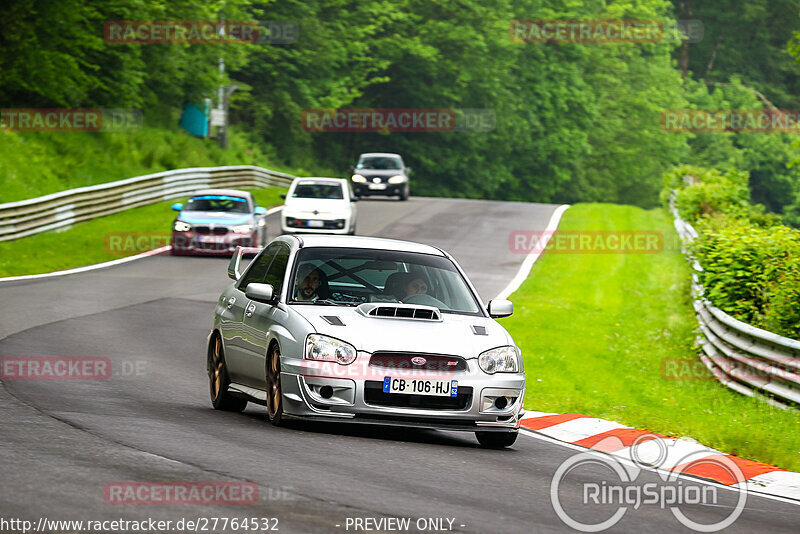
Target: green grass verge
x,y
108,238
597,329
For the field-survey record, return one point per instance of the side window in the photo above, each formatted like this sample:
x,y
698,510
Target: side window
x,y
277,271
258,270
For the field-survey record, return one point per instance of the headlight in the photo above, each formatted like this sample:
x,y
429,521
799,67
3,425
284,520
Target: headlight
x,y
328,349
242,229
181,226
397,179
500,360
358,178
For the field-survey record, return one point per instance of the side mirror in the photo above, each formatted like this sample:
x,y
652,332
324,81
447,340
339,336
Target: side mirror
x,y
500,308
283,196
260,210
259,292
178,206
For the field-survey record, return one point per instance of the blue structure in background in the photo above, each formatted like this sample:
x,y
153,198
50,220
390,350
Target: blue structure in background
x,y
194,119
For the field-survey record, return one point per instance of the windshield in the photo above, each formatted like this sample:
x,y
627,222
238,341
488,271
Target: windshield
x,y
349,277
317,190
379,163
217,203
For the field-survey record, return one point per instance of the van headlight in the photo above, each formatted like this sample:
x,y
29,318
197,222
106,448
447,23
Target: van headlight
x,y
397,179
329,349
500,360
358,178
181,226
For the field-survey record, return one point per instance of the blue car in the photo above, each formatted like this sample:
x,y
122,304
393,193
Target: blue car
x,y
216,221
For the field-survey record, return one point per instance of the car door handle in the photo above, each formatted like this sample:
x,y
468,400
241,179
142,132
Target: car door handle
x,y
250,310
231,302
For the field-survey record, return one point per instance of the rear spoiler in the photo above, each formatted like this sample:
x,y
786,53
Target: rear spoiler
x,y
236,260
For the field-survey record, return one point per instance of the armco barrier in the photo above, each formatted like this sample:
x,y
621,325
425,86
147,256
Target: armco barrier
x,y
747,359
60,210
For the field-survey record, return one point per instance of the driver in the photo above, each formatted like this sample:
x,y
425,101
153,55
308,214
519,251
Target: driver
x,y
417,286
307,283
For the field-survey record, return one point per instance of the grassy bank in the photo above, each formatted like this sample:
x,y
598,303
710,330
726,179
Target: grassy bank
x,y
600,333
38,163
99,240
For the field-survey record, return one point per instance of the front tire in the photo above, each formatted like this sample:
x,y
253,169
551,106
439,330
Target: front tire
x,y
496,440
274,392
219,381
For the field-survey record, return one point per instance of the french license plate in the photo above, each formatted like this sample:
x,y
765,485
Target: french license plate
x,y
377,187
209,239
420,386
315,224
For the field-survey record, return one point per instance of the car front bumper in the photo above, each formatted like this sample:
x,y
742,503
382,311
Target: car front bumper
x,y
354,394
364,190
192,243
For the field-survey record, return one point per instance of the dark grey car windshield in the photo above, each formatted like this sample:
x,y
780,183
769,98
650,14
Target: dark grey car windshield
x,y
351,276
379,164
217,203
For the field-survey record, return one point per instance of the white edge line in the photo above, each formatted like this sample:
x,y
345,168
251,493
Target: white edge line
x,y
103,265
735,488
530,259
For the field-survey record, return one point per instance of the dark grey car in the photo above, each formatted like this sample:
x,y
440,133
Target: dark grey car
x,y
381,173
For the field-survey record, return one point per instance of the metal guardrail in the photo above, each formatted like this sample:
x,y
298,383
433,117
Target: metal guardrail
x,y
63,209
747,359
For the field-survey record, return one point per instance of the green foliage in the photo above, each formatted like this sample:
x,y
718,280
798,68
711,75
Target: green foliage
x,y
751,262
751,272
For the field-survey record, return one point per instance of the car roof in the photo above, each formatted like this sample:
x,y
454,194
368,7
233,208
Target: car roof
x,y
343,241
319,178
380,154
228,192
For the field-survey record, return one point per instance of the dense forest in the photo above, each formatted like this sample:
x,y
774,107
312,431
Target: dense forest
x,y
572,121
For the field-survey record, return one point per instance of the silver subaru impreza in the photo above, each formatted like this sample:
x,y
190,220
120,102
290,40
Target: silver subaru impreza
x,y
365,330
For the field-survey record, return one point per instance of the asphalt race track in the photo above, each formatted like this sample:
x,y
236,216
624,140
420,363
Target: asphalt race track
x,y
64,441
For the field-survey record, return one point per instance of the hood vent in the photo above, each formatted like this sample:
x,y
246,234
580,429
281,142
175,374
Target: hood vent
x,y
333,320
400,311
479,330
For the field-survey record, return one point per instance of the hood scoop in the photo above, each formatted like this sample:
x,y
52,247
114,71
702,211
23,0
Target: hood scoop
x,y
479,330
400,311
333,320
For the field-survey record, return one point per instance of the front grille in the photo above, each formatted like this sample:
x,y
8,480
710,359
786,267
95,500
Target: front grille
x,y
402,360
206,230
373,394
336,224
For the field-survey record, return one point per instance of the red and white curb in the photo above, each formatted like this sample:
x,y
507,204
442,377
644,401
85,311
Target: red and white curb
x,y
632,444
